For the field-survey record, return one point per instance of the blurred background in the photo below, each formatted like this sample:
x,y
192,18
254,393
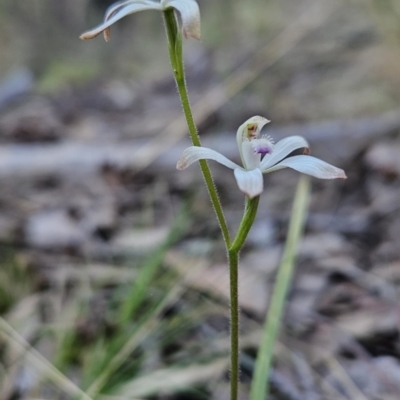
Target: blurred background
x,y
113,277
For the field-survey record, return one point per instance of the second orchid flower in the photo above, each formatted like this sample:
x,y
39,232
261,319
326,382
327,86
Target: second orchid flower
x,y
188,10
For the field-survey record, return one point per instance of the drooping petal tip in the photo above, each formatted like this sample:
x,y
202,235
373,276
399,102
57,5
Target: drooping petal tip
x,y
93,34
190,16
341,174
182,163
117,11
89,35
107,34
96,32
191,25
192,32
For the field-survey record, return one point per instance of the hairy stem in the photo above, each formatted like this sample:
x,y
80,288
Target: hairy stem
x,y
175,52
250,213
233,248
233,257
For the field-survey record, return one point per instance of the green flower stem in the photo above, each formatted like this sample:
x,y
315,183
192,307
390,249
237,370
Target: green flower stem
x,y
250,212
259,387
175,53
233,256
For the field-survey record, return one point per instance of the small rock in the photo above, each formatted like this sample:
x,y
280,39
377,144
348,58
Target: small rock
x,y
33,121
262,233
375,319
384,158
53,230
140,240
322,245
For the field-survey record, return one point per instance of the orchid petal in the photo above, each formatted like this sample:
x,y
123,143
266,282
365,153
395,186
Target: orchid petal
x,y
113,8
282,149
190,16
251,183
118,11
242,133
195,153
311,166
111,11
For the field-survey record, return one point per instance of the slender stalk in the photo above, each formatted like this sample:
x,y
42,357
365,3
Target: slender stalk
x,y
39,363
175,52
250,213
259,387
233,258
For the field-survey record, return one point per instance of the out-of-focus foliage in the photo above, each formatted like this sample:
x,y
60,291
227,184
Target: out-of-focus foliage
x,y
42,35
387,14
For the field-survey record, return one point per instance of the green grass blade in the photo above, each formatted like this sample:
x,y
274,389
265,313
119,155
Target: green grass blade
x,y
39,362
147,272
259,387
148,325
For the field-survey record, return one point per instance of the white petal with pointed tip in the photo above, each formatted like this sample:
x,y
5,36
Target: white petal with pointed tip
x,y
282,149
190,16
251,182
311,166
194,153
129,8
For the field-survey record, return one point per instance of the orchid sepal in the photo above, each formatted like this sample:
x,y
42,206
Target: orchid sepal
x,y
310,166
251,182
196,153
190,16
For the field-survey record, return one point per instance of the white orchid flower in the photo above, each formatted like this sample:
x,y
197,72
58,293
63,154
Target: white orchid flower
x,y
260,155
188,10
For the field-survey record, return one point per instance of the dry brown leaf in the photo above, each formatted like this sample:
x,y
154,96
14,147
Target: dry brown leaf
x,y
377,318
384,158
